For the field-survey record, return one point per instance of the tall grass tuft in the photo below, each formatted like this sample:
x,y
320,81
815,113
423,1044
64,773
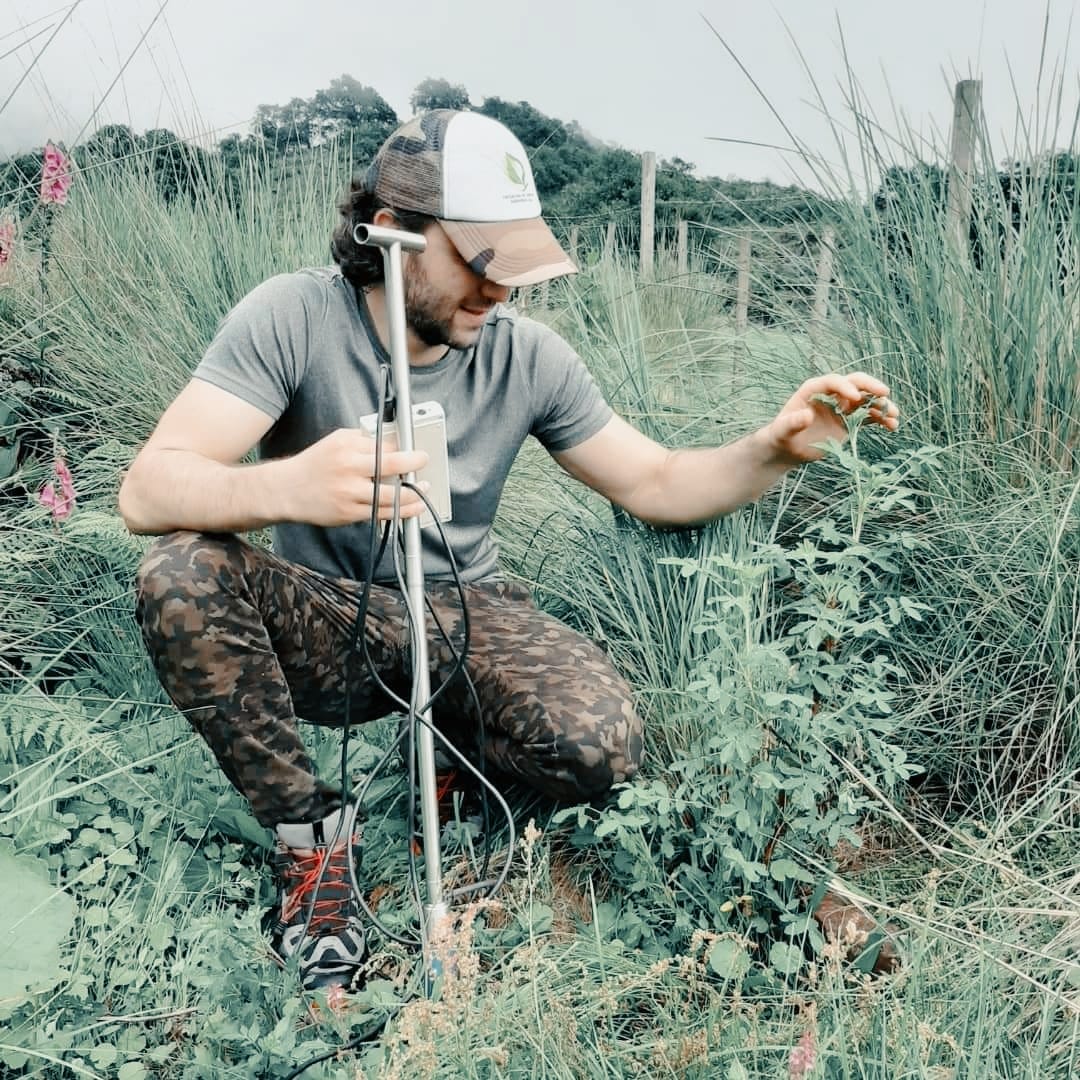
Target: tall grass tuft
x,y
975,320
973,308
645,951
139,286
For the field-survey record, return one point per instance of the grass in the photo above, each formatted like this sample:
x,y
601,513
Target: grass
x,y
607,956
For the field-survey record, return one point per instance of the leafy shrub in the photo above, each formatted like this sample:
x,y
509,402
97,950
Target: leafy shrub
x,y
790,735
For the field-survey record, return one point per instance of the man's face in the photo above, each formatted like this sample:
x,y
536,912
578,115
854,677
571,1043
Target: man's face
x,y
446,303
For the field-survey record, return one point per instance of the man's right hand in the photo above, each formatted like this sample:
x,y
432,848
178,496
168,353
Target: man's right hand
x,y
189,474
332,483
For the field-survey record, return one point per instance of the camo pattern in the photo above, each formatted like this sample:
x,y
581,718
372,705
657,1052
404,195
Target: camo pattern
x,y
512,253
245,642
407,170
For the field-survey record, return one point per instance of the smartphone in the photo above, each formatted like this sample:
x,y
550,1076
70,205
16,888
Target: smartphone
x,y
429,435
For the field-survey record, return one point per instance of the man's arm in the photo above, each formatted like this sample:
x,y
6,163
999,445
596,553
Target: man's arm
x,y
688,487
187,475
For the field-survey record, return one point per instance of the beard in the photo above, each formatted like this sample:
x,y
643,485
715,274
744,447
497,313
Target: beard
x,y
429,314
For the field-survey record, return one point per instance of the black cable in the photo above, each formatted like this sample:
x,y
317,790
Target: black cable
x,y
466,633
361,614
415,716
355,1043
358,622
358,643
459,667
479,742
369,577
459,664
358,799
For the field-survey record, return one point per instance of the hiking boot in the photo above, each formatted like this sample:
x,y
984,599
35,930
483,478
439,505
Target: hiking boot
x,y
458,791
459,797
460,803
317,917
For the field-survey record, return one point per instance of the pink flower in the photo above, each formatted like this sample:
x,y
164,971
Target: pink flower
x,y
802,1059
55,176
63,503
7,240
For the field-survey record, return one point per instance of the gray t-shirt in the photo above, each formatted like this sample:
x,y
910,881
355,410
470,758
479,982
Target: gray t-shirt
x,y
301,348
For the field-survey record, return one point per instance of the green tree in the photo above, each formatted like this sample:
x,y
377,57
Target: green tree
x,y
178,168
20,178
556,167
439,94
236,150
606,185
347,108
112,142
530,125
242,156
285,127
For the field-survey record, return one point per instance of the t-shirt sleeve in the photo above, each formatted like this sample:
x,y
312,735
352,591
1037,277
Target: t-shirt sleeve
x,y
261,348
569,407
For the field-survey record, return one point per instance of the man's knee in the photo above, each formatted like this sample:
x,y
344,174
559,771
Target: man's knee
x,y
624,749
180,583
608,751
183,562
570,762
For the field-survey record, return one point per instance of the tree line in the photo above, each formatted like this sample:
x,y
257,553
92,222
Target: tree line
x,y
579,178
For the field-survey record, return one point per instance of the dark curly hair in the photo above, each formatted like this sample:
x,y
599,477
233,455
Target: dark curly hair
x,y
361,264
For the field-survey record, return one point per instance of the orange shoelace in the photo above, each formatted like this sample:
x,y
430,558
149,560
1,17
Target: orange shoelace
x,y
328,907
448,783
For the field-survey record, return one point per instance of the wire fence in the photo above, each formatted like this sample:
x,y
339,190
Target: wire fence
x,y
763,275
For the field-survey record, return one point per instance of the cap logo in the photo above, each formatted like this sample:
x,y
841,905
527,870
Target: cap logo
x,y
515,171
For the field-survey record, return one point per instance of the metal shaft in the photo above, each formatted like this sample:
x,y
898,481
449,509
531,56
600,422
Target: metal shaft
x,y
392,242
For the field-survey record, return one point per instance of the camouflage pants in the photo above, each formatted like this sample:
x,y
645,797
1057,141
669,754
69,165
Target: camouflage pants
x,y
245,642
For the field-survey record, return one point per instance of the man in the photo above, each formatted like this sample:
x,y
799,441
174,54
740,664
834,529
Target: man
x,y
245,640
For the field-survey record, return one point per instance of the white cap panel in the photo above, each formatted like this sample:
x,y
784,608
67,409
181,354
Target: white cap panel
x,y
486,172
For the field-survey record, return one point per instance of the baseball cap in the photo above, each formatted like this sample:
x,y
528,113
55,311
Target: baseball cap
x,y
471,173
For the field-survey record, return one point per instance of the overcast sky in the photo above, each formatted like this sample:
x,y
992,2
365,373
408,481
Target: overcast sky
x,y
646,74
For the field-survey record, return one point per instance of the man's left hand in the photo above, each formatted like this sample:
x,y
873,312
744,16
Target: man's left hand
x,y
799,429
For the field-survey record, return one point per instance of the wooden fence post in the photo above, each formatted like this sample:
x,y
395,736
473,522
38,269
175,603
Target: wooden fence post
x,y
824,280
682,259
573,244
545,287
648,212
609,240
967,119
742,297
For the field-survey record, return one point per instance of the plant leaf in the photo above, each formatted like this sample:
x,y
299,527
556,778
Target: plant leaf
x,y
786,959
784,869
36,918
729,959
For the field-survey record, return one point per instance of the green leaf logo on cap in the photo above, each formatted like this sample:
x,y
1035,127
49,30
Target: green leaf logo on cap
x,y
515,171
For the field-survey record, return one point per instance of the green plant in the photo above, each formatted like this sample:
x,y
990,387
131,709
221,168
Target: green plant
x,y
790,728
